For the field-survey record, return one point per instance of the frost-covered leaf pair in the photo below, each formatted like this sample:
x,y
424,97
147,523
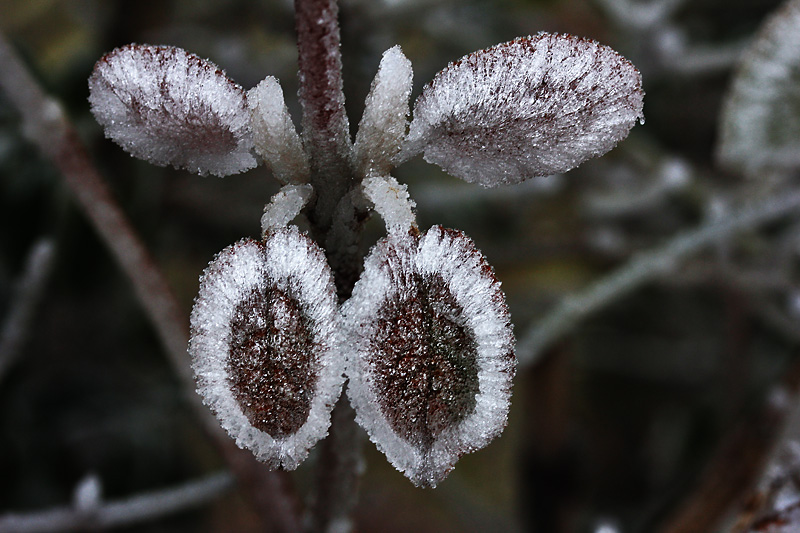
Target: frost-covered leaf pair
x,y
534,106
265,346
425,340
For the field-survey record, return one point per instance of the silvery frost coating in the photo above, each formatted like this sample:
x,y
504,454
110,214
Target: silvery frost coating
x,y
425,337
284,207
265,346
431,351
275,137
531,107
383,124
169,107
760,123
392,201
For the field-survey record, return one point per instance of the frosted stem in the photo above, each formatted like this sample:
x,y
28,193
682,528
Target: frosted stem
x,y
326,131
132,510
642,269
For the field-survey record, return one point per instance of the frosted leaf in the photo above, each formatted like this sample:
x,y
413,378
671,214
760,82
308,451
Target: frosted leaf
x,y
284,206
392,202
169,107
531,107
431,352
274,134
264,345
761,115
383,125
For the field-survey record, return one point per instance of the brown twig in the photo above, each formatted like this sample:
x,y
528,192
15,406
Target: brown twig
x,y
46,125
337,480
733,469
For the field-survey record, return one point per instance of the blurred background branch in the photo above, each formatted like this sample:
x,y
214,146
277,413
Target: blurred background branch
x,y
98,514
20,316
46,125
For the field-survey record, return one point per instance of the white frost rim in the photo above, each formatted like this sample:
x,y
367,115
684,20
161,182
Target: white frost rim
x,y
460,265
234,273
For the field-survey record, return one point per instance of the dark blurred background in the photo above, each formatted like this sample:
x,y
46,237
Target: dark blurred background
x,y
615,424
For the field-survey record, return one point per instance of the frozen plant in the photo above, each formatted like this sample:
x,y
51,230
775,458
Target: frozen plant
x,y
421,330
760,123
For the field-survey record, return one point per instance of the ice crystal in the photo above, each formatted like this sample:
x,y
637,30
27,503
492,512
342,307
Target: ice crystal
x,y
431,351
264,345
284,206
170,107
392,202
761,116
275,137
534,106
383,125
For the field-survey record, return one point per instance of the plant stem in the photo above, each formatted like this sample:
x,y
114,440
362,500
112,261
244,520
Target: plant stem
x,y
326,131
336,221
338,473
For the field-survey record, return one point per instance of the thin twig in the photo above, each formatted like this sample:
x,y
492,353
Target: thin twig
x,y
17,325
135,509
643,269
641,15
704,59
47,126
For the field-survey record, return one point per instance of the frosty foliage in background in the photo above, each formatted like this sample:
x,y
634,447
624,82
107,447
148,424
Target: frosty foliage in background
x,y
425,339
761,120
